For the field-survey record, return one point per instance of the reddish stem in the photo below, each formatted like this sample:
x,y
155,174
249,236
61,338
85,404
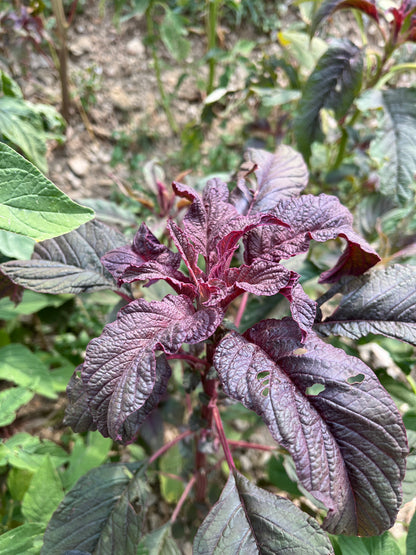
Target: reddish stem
x,y
181,501
241,310
190,358
249,445
223,439
168,445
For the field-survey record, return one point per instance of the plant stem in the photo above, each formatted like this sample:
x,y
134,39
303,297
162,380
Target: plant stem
x,y
249,445
182,499
163,96
212,21
62,26
194,361
223,440
168,445
241,310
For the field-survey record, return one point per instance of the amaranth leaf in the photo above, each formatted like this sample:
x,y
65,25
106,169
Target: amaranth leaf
x,y
282,174
380,302
104,509
69,263
120,372
333,84
395,144
348,442
247,520
311,217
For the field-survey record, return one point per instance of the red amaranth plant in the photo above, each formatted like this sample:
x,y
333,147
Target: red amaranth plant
x,y
326,408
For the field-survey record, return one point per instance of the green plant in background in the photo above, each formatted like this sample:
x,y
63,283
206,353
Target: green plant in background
x,y
26,125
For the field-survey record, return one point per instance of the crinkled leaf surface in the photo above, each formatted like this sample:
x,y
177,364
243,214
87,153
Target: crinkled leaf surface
x,y
102,513
395,144
311,217
328,7
380,302
348,442
30,204
120,372
333,84
69,263
77,413
282,174
147,259
248,520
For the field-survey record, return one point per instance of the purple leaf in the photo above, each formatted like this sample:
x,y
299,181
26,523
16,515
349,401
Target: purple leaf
x,y
280,175
319,218
329,7
213,224
120,371
69,263
247,519
348,442
77,413
10,289
380,302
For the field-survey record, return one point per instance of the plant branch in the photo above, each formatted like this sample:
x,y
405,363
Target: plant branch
x,y
182,499
241,309
249,445
195,361
163,96
168,445
62,27
223,439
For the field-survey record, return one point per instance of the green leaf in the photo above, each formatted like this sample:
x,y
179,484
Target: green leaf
x,y
247,520
44,494
109,212
159,542
305,51
411,536
30,204
18,482
16,246
375,545
104,509
25,539
276,97
23,127
333,84
171,463
279,478
394,147
9,87
32,302
21,366
28,452
10,401
409,482
173,33
86,454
